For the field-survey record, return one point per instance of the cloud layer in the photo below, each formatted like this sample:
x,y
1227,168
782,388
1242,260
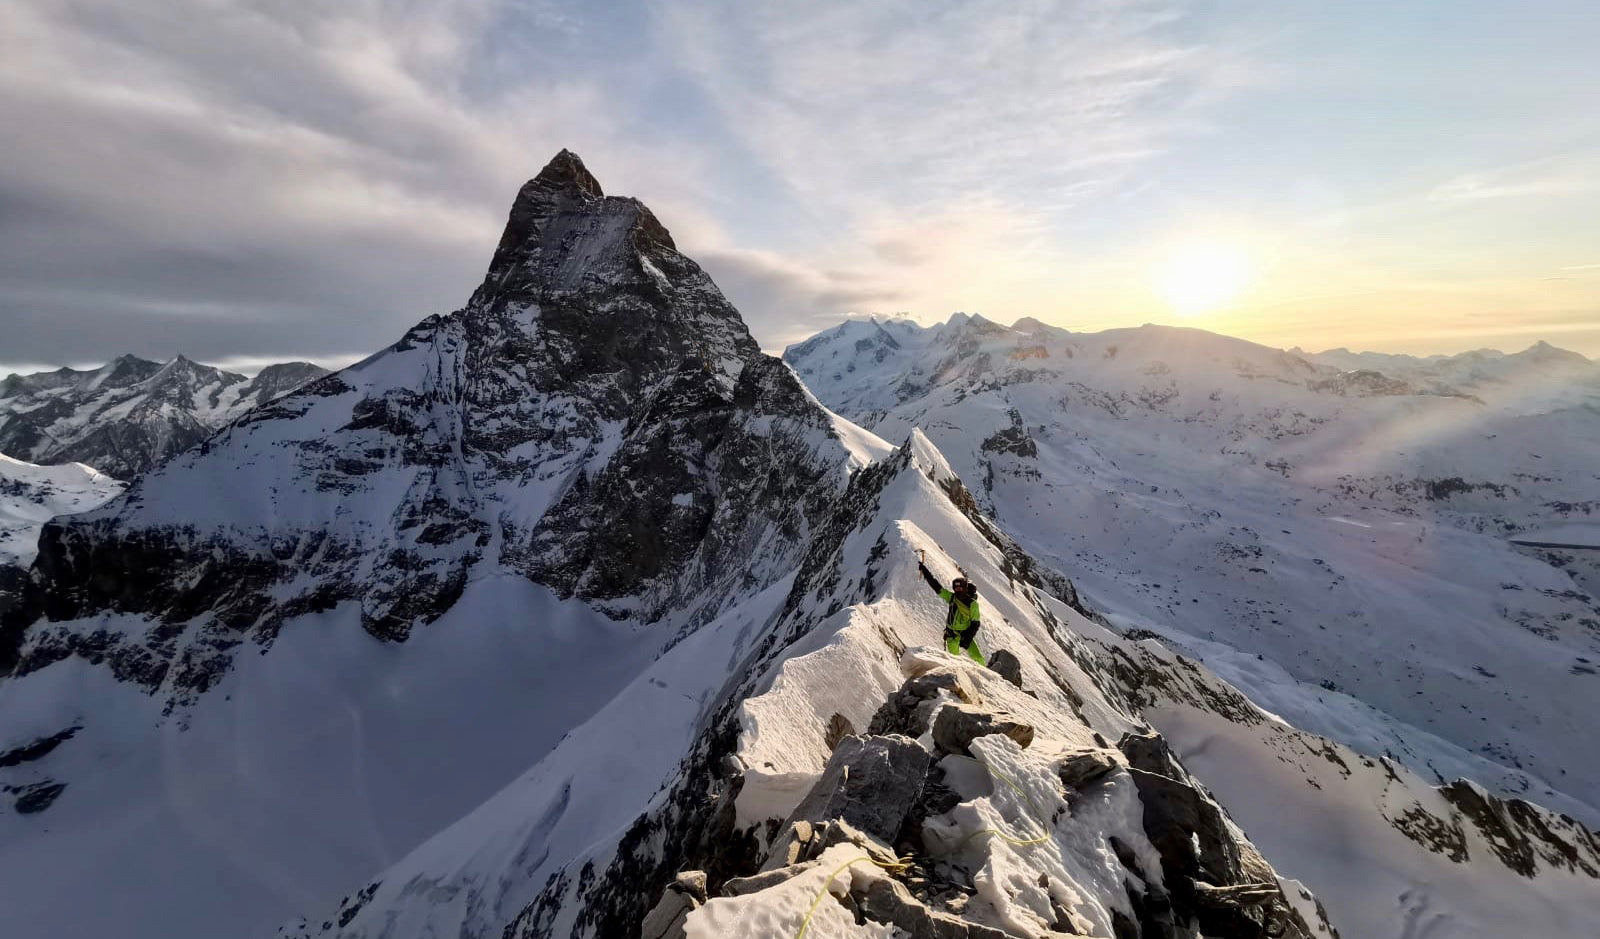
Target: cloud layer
x,y
251,179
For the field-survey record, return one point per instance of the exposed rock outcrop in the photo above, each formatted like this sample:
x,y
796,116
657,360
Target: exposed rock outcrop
x,y
957,725
1003,663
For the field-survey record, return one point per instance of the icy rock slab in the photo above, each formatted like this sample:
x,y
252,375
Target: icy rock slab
x,y
1080,769
1007,666
888,901
870,783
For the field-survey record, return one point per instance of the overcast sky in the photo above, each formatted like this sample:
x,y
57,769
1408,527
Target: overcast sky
x,y
250,180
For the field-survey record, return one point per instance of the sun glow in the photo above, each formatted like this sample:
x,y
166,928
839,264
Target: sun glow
x,y
1200,279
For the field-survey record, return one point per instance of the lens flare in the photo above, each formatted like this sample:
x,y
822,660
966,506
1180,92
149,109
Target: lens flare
x,y
1203,278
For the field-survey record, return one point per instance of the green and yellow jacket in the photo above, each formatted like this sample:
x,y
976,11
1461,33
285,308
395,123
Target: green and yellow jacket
x,y
961,616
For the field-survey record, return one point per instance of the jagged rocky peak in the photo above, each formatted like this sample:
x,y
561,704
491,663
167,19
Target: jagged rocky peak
x,y
564,184
597,419
608,291
561,224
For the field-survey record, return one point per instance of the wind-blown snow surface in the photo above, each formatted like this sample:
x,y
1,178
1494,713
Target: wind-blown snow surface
x,y
131,414
31,495
1338,543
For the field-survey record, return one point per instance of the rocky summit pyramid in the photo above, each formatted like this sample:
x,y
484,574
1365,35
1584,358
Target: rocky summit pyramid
x,y
586,421
572,614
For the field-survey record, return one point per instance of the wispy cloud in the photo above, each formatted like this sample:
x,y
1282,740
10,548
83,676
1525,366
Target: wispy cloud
x,y
1550,176
244,178
901,105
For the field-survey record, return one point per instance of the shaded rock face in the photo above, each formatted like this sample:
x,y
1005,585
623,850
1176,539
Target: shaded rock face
x,y
870,784
682,897
597,419
705,483
131,415
1523,836
1215,879
1014,439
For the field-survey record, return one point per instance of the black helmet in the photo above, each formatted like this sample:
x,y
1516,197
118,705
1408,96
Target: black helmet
x,y
963,585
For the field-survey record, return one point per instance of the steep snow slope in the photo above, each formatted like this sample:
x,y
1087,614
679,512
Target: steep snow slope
x,y
286,656
31,495
131,414
305,769
1335,542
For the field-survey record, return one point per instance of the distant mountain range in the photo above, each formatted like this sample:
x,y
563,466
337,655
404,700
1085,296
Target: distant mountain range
x,y
130,414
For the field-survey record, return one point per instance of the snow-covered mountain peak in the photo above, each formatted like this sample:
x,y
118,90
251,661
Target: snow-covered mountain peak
x,y
588,464
598,375
131,414
31,494
1539,378
1542,351
1030,325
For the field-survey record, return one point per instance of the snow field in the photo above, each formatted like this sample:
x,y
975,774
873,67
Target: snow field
x,y
31,495
1325,816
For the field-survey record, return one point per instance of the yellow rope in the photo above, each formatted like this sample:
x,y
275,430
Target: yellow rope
x,y
899,865
1003,836
886,865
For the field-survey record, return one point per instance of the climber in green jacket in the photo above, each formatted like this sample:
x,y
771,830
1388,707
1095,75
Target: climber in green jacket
x,y
961,621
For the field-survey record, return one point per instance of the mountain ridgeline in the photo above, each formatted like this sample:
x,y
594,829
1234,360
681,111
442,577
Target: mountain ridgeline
x,y
573,614
131,414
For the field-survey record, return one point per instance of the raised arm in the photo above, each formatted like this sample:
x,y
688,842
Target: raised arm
x,y
933,582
